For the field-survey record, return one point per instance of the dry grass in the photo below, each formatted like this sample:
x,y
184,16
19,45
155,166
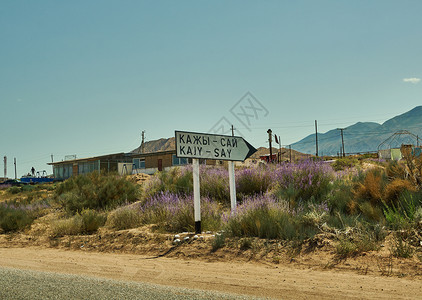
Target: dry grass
x,y
395,188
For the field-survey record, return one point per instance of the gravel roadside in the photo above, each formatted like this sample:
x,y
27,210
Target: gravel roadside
x,y
26,284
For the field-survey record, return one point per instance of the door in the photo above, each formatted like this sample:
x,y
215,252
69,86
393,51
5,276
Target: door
x,y
160,165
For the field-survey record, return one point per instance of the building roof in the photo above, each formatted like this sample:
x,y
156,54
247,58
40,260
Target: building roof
x,y
105,157
113,157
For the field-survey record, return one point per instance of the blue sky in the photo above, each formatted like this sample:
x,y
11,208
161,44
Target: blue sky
x,y
86,77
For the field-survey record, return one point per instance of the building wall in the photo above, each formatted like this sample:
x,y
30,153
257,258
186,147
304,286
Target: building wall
x,y
152,161
63,171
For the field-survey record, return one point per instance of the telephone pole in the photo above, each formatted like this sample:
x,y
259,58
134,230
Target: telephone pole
x,y
342,140
270,139
143,141
16,176
5,166
316,138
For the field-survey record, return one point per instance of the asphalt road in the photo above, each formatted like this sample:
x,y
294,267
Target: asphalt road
x,y
25,284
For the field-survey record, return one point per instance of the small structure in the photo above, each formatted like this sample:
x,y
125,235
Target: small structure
x,y
393,147
266,157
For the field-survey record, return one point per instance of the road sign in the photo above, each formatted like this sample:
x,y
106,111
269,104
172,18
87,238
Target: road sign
x,y
211,146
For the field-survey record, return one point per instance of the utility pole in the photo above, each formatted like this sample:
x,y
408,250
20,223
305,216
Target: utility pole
x,y
270,139
16,176
342,140
278,141
143,141
5,166
316,137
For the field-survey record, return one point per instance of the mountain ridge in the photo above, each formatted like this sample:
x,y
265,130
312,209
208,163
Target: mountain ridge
x,y
363,136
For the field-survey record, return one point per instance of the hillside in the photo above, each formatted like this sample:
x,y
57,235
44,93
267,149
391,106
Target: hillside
x,y
285,153
364,136
157,145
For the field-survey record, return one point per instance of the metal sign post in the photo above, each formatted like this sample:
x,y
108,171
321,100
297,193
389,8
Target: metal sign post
x,y
210,146
232,185
196,195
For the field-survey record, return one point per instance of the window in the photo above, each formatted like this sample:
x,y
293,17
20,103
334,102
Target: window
x,y
178,161
87,167
139,163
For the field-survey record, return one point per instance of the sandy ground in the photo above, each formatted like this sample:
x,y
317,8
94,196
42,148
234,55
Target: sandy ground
x,y
248,278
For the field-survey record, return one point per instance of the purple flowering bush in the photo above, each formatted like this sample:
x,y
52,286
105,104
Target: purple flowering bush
x,y
174,213
214,182
252,181
179,181
306,180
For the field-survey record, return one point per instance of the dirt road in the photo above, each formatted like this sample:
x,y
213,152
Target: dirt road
x,y
275,281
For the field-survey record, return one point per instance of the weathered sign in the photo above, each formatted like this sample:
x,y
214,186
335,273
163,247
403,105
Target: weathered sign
x,y
211,146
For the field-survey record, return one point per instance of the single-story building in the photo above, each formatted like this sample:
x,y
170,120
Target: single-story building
x,y
105,163
123,163
149,163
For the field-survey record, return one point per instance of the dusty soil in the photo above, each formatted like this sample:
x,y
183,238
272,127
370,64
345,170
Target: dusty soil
x,y
265,268
250,278
243,266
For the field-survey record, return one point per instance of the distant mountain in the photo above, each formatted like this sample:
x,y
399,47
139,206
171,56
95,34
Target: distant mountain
x,y
157,145
365,136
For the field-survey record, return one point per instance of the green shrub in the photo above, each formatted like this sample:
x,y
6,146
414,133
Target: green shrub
x,y
346,248
264,217
218,242
87,222
71,226
363,237
176,181
14,218
123,218
403,213
341,220
371,212
340,196
95,191
344,163
91,221
14,190
28,188
400,247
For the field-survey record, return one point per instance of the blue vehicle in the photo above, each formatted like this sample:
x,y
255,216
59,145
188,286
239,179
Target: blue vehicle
x,y
39,178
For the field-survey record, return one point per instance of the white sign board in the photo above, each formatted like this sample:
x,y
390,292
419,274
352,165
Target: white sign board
x,y
211,146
